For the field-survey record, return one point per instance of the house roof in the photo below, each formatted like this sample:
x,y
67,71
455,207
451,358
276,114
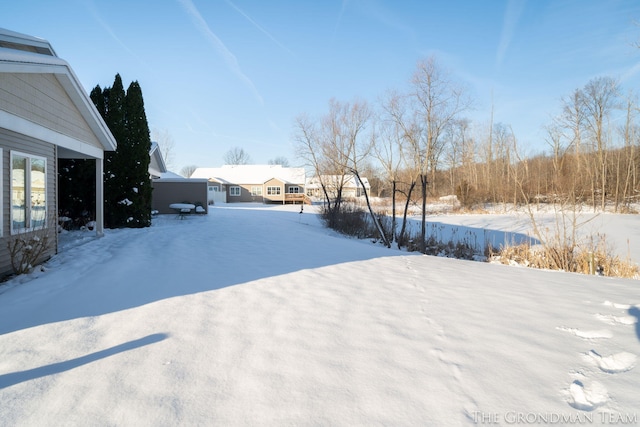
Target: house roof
x,y
251,174
157,166
20,53
348,181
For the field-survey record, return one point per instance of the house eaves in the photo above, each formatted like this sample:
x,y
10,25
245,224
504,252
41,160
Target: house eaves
x,y
157,166
21,61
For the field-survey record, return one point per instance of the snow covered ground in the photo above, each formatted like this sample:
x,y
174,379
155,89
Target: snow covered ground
x,y
256,315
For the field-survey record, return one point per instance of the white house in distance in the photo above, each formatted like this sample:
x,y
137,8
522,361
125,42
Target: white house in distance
x,y
254,183
351,187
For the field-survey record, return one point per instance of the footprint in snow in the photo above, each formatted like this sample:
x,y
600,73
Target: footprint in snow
x,y
587,335
615,320
587,397
619,362
616,305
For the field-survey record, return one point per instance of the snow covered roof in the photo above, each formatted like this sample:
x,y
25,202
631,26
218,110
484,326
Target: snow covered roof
x,y
252,174
20,53
171,175
348,181
157,166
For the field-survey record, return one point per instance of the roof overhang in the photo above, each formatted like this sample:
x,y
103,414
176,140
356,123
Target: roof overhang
x,y
15,61
157,162
191,180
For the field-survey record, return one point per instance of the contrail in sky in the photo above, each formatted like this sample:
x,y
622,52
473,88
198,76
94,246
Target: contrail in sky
x,y
92,9
255,24
229,57
511,17
342,9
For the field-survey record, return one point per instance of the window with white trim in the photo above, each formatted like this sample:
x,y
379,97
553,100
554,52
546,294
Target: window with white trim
x,y
2,194
234,190
294,189
256,190
273,191
28,191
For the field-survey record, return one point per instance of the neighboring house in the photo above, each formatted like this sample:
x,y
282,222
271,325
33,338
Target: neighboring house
x,y
254,183
169,188
157,165
350,185
45,115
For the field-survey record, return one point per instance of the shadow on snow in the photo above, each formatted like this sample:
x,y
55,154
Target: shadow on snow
x,y
635,311
128,268
8,380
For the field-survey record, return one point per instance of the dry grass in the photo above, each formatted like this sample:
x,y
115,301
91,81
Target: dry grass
x,y
587,260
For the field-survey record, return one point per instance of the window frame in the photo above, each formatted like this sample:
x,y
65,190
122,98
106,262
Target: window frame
x,y
271,192
2,192
28,193
233,189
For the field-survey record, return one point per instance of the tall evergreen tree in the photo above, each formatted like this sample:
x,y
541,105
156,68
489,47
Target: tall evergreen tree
x,y
127,189
138,143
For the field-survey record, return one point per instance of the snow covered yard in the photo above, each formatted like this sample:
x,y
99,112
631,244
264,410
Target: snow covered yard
x,y
256,315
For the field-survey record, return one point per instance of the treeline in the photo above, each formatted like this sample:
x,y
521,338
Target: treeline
x,y
419,143
593,156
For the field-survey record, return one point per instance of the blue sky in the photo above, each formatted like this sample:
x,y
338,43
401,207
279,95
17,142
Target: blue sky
x,y
218,74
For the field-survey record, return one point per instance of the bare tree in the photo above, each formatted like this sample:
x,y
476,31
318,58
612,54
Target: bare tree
x,y
166,145
334,146
600,98
387,148
626,170
345,144
280,160
457,143
308,142
402,133
237,156
572,123
188,170
341,144
439,102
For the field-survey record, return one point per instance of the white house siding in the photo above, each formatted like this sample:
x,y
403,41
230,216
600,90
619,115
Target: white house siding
x,y
11,141
41,99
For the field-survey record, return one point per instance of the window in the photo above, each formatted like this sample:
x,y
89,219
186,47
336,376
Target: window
x,y
273,191
294,189
28,191
1,193
234,190
256,191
